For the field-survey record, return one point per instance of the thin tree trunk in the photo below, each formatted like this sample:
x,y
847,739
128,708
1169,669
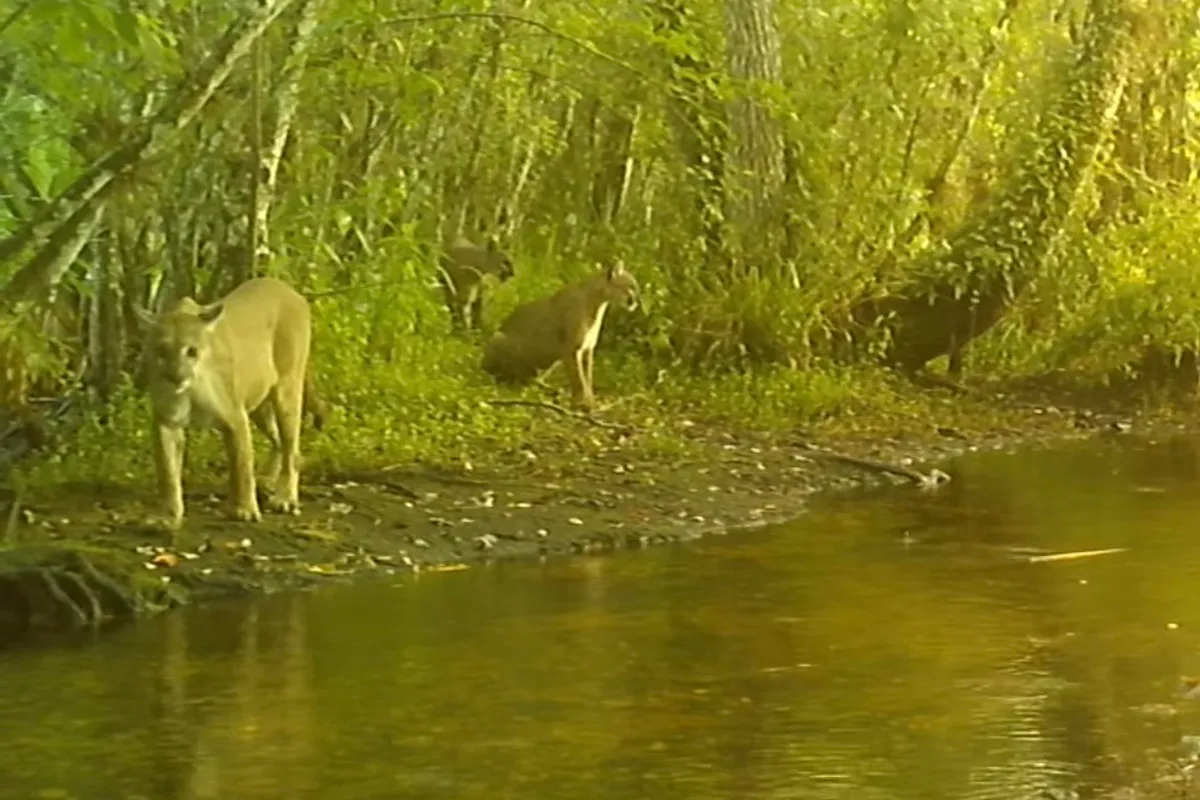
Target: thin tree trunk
x,y
247,267
702,132
105,319
481,122
43,272
614,163
285,101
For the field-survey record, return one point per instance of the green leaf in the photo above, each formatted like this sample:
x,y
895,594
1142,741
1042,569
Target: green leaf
x,y
127,25
38,170
98,18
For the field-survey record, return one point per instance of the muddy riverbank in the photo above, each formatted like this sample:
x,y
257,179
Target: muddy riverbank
x,y
76,554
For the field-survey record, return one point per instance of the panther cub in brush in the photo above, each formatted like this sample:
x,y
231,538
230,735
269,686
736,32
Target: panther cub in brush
x,y
239,360
562,327
463,268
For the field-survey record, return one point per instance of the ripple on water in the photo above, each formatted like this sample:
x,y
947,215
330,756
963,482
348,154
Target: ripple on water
x,y
891,644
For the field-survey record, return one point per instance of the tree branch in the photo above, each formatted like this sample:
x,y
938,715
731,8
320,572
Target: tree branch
x,y
180,109
16,15
501,16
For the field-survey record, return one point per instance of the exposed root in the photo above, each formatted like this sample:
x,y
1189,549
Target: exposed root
x,y
61,584
63,599
95,610
125,599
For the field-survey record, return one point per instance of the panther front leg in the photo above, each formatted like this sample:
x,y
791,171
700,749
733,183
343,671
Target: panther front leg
x,y
581,387
240,449
169,444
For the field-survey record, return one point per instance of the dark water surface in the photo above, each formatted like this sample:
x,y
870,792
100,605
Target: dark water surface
x,y
889,645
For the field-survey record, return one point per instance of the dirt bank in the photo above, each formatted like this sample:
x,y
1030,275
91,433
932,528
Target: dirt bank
x,y
78,553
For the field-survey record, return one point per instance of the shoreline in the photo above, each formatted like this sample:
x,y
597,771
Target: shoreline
x,y
79,556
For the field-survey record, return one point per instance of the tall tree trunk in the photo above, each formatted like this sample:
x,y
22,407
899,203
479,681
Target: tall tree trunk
x,y
756,172
995,254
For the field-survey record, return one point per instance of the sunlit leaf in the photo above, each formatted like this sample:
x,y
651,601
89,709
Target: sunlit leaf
x,y
37,168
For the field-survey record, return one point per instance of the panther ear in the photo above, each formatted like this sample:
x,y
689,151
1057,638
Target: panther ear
x,y
492,247
210,314
615,269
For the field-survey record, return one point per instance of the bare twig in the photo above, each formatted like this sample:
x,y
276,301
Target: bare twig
x,y
504,17
398,488
354,287
500,16
566,412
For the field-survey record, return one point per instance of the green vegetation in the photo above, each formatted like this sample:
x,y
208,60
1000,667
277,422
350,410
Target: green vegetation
x,y
805,192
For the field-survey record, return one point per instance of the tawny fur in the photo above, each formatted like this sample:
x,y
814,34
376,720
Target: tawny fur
x,y
464,266
562,327
240,360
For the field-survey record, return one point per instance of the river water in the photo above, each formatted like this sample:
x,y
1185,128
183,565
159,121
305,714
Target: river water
x,y
890,644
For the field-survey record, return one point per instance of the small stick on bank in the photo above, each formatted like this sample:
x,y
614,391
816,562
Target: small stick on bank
x,y
566,412
1075,554
934,478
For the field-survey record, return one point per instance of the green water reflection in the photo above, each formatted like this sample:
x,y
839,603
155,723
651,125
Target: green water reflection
x,y
889,645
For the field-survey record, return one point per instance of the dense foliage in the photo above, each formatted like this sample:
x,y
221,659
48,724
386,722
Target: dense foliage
x,y
778,175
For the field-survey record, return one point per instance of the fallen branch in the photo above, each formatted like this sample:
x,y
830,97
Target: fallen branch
x,y
1073,555
398,488
566,412
934,478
